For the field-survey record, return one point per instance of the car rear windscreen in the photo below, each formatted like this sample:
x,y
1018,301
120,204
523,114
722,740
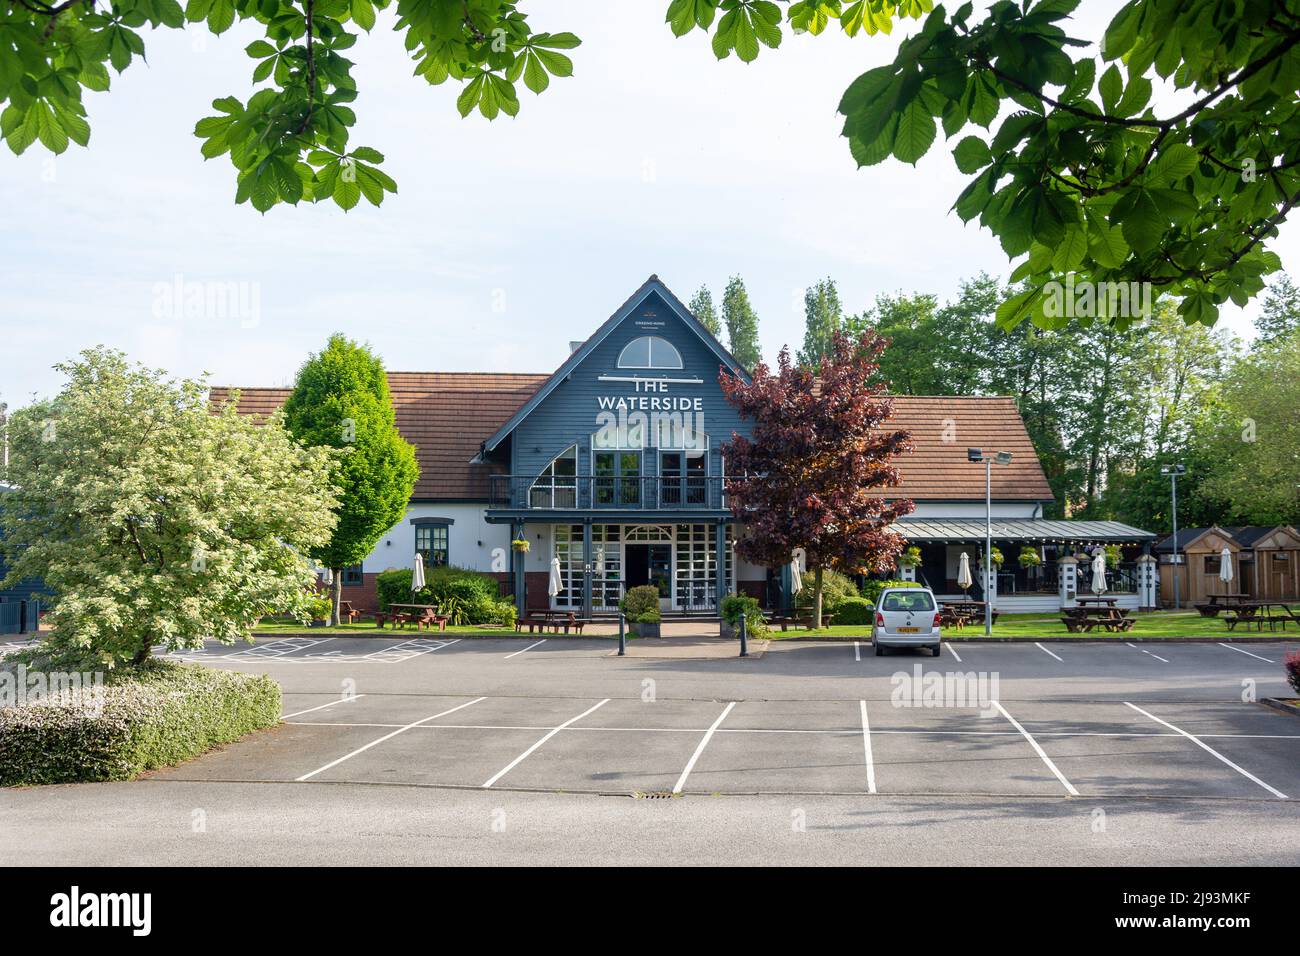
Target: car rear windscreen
x,y
903,601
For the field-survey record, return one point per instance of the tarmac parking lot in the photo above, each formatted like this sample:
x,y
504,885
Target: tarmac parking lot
x,y
532,750
1031,720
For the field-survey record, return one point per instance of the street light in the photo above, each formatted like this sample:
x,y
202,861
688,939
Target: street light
x,y
1173,471
977,455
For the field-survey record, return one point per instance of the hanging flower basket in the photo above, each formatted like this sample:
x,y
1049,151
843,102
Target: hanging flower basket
x,y
520,545
910,558
1030,558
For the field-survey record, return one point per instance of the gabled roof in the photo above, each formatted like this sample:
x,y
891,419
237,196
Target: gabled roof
x,y
443,414
651,285
1244,536
943,427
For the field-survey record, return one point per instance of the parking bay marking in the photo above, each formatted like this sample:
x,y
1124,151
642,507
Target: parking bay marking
x,y
866,746
528,648
1210,750
954,653
341,700
704,742
551,733
1247,653
1046,651
1145,651
1069,787
374,743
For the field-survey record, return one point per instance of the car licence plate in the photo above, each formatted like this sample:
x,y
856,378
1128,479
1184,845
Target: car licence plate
x,y
909,630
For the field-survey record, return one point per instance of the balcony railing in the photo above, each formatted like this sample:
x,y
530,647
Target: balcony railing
x,y
615,492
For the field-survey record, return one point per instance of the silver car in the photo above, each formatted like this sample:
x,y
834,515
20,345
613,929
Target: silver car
x,y
906,617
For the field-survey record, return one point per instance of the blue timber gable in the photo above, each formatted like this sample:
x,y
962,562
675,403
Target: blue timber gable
x,y
595,404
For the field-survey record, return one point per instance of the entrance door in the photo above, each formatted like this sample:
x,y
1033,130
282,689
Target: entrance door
x,y
650,564
1279,566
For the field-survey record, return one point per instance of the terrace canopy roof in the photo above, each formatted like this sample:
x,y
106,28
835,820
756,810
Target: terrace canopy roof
x,y
1039,530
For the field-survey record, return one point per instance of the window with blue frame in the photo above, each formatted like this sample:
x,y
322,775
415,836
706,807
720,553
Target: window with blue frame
x,y
431,541
353,575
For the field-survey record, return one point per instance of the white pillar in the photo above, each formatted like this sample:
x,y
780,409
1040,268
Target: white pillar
x,y
1148,582
907,574
989,580
1068,575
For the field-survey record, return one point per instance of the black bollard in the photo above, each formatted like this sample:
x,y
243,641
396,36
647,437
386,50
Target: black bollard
x,y
622,639
744,644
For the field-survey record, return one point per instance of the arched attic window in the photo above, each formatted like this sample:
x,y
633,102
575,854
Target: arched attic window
x,y
650,351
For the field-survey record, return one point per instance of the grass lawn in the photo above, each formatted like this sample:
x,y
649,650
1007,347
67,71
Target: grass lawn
x,y
1147,624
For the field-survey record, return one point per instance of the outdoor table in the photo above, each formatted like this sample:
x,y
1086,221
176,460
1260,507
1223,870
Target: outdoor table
x,y
551,618
421,615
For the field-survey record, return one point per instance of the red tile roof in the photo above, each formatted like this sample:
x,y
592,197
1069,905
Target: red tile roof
x,y
447,415
943,427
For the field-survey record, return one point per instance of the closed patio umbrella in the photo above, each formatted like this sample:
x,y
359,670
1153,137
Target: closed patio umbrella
x,y
964,580
1225,569
599,567
556,583
796,578
1099,573
417,573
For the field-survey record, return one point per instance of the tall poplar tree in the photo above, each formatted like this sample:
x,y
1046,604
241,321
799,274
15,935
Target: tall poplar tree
x,y
823,317
701,306
341,400
742,324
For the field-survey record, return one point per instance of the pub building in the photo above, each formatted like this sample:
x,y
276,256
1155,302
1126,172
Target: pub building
x,y
613,465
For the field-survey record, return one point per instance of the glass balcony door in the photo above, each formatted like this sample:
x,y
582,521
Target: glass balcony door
x,y
616,479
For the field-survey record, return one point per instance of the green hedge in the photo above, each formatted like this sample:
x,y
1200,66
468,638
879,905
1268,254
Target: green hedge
x,y
836,587
854,610
733,605
641,604
466,597
150,716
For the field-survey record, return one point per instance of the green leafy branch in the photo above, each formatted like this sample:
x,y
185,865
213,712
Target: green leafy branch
x,y
289,141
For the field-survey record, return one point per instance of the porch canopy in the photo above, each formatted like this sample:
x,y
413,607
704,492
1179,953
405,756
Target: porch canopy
x,y
1035,530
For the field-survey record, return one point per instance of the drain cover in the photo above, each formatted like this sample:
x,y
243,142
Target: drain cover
x,y
653,795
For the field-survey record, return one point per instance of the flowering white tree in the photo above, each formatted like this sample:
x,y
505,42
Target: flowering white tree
x,y
155,519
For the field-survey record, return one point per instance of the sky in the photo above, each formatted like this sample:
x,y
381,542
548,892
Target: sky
x,y
507,239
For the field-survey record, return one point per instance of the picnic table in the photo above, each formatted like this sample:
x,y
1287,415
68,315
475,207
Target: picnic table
x,y
1095,613
787,619
421,615
348,612
1260,613
1229,601
970,610
555,620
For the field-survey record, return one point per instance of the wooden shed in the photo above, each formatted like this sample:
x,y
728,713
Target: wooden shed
x,y
1276,556
1200,552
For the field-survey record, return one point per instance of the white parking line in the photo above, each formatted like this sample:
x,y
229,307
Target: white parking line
x,y
1247,653
1210,750
373,743
857,652
866,746
551,733
704,742
341,700
1145,651
954,653
1069,787
528,648
1046,651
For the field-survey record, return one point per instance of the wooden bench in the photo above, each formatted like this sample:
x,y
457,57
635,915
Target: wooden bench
x,y
346,610
1208,610
555,620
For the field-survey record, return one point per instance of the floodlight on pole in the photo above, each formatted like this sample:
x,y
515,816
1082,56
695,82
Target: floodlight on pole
x,y
977,456
1173,471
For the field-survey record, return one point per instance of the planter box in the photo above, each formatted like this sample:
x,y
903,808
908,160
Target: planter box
x,y
646,630
320,624
726,630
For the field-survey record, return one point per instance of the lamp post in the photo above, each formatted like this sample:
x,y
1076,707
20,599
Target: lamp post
x,y
977,455
1173,471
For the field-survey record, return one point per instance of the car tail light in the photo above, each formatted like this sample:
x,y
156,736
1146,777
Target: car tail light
x,y
880,619
937,618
